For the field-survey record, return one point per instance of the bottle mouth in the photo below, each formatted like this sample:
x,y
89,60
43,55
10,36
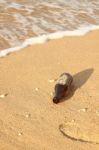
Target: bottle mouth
x,y
55,100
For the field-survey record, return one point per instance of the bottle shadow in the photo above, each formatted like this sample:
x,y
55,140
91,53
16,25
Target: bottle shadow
x,y
79,79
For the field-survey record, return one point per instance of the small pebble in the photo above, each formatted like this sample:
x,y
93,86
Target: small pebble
x,y
97,112
20,133
27,115
3,95
83,110
51,80
72,120
36,89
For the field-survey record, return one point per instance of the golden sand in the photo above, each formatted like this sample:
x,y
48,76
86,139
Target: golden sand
x,y
28,118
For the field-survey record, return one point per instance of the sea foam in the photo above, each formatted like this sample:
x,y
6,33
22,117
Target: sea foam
x,y
44,38
24,23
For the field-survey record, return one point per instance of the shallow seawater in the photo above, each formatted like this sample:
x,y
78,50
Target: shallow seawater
x,y
25,19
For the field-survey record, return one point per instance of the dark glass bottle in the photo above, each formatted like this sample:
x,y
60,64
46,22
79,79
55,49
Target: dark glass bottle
x,y
62,86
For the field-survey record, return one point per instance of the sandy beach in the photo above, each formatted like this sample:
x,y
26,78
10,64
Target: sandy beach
x,y
28,118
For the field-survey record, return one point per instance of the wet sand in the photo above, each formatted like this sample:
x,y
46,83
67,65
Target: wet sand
x,y
28,118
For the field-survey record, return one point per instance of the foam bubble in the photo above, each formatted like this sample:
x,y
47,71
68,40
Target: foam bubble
x,y
44,38
24,23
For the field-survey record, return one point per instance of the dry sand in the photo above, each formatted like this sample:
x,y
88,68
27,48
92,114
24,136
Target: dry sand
x,y
28,118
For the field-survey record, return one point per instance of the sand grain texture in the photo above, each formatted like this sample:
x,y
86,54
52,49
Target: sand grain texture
x,y
28,118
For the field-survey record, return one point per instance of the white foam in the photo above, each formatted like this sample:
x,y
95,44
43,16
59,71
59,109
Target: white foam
x,y
14,5
42,39
79,32
21,20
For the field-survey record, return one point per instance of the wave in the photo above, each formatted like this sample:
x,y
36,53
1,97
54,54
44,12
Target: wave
x,y
44,38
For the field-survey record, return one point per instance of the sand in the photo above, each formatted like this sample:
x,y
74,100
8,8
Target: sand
x,y
28,118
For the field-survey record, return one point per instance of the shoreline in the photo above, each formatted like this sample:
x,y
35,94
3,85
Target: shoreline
x,y
45,38
29,119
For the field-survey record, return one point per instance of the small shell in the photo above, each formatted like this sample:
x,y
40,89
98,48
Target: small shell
x,y
3,95
27,115
20,133
36,89
97,112
51,80
83,110
73,120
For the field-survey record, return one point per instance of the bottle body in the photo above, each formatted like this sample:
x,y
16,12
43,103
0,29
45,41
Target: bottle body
x,y
62,86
